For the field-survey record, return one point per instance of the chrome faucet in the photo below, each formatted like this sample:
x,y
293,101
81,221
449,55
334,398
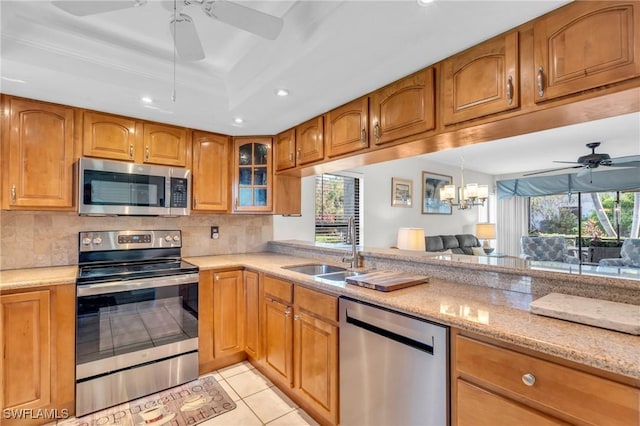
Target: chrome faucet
x,y
352,257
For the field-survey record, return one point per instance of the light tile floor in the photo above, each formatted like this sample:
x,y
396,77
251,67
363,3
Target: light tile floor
x,y
258,401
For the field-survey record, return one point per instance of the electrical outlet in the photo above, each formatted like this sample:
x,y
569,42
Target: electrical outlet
x,y
214,233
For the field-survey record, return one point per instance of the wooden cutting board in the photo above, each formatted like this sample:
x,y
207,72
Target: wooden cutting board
x,y
387,280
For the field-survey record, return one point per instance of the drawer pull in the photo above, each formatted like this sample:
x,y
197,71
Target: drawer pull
x,y
528,379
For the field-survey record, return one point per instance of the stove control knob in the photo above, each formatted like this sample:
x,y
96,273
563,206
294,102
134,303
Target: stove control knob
x,y
97,241
86,241
176,238
168,238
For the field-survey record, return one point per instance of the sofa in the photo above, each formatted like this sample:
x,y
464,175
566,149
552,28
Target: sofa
x,y
458,244
546,249
629,255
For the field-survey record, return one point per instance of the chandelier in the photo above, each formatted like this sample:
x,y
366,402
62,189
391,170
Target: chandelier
x,y
469,195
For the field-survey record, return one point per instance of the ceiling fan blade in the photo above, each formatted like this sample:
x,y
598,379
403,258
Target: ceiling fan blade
x,y
551,170
85,8
245,18
566,162
628,161
186,39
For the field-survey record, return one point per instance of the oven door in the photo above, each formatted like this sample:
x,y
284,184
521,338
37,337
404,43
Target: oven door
x,y
121,324
119,188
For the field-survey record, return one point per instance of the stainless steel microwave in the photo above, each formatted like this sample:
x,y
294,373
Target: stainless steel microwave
x,y
110,187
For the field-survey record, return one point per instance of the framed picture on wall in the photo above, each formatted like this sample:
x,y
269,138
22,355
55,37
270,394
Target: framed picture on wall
x,y
431,202
401,192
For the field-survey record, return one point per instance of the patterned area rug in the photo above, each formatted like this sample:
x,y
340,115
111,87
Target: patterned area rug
x,y
184,405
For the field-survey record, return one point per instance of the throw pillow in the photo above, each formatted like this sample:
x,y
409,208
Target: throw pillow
x,y
478,251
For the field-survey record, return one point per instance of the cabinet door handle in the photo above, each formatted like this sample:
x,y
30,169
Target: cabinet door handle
x,y
376,132
298,154
146,152
13,193
363,136
217,277
540,82
510,90
291,156
131,151
287,311
528,379
296,317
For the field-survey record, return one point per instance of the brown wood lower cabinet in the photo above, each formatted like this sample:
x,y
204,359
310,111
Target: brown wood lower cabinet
x,y
300,340
252,334
37,365
494,385
220,319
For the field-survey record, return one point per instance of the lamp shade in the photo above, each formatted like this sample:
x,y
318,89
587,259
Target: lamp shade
x,y
486,231
411,239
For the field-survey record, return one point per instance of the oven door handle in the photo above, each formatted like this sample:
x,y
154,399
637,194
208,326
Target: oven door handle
x,y
119,286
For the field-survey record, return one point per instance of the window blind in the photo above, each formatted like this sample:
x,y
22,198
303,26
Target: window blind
x,y
337,199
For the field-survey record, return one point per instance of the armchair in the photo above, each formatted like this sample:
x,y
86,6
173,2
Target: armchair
x,y
629,255
550,249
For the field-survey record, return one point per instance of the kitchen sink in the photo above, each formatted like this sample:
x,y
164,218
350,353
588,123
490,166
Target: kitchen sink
x,y
339,276
315,269
322,271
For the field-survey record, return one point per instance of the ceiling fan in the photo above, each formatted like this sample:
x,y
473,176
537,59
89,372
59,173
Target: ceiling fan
x,y
183,30
592,161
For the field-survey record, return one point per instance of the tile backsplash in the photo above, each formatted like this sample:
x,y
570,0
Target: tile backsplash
x,y
40,239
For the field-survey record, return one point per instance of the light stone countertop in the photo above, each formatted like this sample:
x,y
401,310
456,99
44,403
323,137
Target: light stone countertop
x,y
37,277
496,313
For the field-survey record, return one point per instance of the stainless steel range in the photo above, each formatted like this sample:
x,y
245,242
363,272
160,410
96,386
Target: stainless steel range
x,y
137,317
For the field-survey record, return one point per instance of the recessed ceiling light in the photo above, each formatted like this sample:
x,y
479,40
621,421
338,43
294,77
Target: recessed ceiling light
x,y
282,92
423,3
238,120
146,99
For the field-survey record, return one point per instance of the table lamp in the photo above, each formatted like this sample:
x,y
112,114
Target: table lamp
x,y
411,239
486,232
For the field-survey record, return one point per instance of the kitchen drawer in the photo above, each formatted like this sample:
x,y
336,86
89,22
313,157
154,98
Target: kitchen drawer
x,y
479,407
562,389
320,304
278,288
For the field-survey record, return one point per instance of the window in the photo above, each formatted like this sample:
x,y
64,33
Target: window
x,y
337,198
597,215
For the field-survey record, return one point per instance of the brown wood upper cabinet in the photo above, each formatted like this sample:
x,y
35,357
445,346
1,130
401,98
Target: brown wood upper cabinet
x,y
301,145
127,139
285,147
482,80
109,136
38,154
210,172
346,127
586,45
404,108
252,174
310,141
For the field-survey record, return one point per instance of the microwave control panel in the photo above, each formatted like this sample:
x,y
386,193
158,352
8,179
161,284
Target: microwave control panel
x,y
179,192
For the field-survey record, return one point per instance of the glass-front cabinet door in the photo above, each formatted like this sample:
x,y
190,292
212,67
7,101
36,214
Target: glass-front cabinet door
x,y
253,177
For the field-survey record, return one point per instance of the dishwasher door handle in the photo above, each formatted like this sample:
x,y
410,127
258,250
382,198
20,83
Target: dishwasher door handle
x,y
391,335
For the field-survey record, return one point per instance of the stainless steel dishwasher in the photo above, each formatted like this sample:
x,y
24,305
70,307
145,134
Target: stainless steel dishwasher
x,y
394,368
